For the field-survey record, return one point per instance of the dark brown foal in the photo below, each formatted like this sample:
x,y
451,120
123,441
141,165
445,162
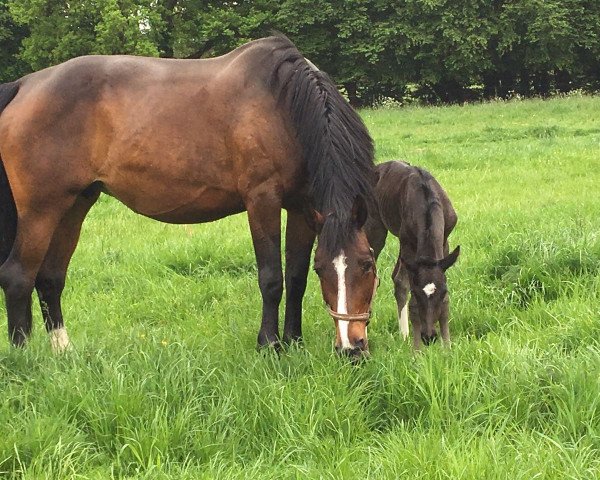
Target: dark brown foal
x,y
413,206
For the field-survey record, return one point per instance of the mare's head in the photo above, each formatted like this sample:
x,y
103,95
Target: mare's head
x,y
427,278
345,264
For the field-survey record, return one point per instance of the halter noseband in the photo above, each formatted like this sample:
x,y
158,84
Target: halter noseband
x,y
358,317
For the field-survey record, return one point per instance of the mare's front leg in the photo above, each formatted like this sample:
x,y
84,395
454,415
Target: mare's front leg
x,y
264,216
299,240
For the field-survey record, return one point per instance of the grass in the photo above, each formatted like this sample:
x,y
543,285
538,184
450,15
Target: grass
x,y
165,382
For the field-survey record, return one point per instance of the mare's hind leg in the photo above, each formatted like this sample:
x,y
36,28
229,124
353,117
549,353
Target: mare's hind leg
x,y
299,239
401,287
35,229
264,217
50,279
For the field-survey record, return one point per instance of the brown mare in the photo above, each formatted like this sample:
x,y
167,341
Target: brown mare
x,y
188,141
413,206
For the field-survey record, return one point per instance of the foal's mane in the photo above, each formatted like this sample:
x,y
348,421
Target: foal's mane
x,y
431,199
337,148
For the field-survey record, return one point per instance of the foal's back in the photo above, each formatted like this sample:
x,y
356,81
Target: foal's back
x,y
410,200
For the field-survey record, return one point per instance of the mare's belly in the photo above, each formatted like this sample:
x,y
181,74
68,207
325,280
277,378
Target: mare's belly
x,y
204,204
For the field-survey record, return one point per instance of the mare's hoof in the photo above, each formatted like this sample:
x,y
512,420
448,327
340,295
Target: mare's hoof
x,y
266,345
295,341
59,341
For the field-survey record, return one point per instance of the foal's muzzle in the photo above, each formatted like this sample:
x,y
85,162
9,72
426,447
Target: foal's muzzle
x,y
429,339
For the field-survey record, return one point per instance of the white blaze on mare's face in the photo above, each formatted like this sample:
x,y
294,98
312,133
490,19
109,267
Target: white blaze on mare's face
x,y
59,340
429,289
339,263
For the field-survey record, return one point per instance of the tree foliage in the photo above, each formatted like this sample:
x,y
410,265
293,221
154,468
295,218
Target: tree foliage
x,y
439,50
11,37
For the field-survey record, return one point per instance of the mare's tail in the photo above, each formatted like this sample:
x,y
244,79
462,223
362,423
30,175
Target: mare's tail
x,y
8,210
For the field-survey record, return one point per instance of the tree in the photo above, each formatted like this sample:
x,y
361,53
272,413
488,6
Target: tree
x,y
371,48
11,36
60,30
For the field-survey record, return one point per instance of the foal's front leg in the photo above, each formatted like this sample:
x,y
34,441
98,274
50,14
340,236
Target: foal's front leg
x,y
401,288
415,320
264,217
444,330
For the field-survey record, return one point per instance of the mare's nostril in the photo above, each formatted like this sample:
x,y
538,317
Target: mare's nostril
x,y
360,343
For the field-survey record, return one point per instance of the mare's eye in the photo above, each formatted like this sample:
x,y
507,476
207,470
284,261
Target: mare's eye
x,y
366,265
318,270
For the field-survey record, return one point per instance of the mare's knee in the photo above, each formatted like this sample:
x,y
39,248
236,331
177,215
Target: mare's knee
x,y
271,285
14,281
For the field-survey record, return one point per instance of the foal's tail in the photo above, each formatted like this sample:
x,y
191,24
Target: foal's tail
x,y
8,210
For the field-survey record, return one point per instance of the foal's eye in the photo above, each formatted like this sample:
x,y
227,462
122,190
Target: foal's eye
x,y
318,270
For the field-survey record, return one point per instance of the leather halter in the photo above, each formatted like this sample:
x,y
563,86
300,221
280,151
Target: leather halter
x,y
358,317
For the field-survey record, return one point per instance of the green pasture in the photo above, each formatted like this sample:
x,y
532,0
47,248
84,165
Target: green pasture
x,y
165,382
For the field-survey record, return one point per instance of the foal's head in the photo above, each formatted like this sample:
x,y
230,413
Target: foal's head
x,y
428,287
345,264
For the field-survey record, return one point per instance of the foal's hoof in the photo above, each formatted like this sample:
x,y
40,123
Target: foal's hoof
x,y
429,339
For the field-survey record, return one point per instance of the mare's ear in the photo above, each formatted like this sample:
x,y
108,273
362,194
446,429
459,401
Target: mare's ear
x,y
314,219
447,262
359,212
410,266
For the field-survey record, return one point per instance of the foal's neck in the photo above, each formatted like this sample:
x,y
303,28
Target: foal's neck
x,y
430,241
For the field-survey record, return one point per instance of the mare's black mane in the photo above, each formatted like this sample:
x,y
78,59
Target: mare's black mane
x,y
337,148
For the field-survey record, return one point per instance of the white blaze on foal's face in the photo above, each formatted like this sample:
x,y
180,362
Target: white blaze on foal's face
x,y
339,263
429,289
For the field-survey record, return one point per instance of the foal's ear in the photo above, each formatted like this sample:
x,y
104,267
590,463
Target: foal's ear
x,y
359,212
447,262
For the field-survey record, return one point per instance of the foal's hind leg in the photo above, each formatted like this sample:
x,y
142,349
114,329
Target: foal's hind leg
x,y
35,228
50,279
376,233
401,287
299,239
